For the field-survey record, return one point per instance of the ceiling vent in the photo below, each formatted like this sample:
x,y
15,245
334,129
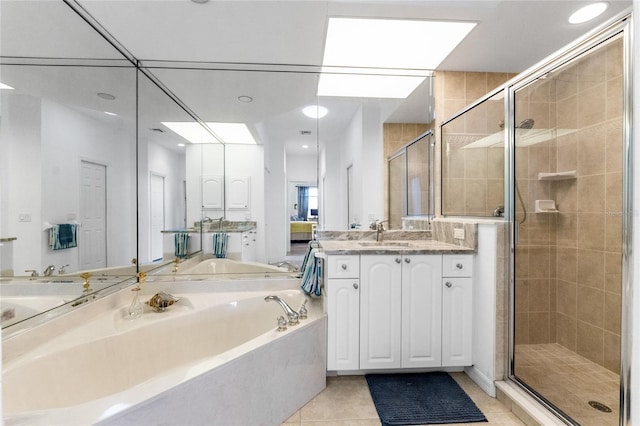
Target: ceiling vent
x,y
305,132
156,129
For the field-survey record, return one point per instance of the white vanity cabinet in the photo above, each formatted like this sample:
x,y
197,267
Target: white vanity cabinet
x,y
398,311
342,304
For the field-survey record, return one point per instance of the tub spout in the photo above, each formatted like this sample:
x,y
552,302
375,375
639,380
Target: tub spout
x,y
291,314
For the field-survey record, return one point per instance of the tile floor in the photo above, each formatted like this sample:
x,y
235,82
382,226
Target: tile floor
x,y
569,381
346,402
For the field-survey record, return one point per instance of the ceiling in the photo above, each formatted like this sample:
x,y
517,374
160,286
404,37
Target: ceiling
x,y
283,36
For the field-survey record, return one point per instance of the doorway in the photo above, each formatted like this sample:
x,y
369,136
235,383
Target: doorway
x,y
93,214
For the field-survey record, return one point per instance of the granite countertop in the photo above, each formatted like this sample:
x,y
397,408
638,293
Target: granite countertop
x,y
391,247
227,226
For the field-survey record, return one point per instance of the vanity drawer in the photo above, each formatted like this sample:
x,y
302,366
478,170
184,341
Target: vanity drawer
x,y
457,265
347,266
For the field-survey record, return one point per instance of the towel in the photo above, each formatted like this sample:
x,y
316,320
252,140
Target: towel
x,y
63,236
220,240
311,271
181,244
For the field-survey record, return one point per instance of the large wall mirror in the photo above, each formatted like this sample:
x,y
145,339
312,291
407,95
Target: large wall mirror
x,y
69,119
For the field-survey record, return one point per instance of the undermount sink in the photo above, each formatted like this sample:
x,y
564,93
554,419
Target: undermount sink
x,y
384,244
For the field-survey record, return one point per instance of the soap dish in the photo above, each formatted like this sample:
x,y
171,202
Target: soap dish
x,y
546,206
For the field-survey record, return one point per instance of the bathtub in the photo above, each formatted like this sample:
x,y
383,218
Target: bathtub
x,y
214,357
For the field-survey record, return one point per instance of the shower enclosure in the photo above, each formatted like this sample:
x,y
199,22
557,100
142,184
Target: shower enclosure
x,y
568,215
562,142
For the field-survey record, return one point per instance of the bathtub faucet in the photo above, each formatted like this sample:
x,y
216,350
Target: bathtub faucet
x,y
291,314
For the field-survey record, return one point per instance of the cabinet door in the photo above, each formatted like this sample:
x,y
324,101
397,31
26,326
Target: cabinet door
x,y
343,305
238,193
380,300
421,310
456,322
212,192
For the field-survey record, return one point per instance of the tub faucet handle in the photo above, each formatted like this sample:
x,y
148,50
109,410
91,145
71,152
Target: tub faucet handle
x,y
302,312
282,323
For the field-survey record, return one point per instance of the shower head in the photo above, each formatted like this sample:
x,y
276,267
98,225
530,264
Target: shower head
x,y
527,123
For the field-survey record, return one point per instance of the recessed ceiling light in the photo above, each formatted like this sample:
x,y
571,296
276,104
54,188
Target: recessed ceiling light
x,y
245,98
5,86
110,113
305,146
106,96
588,12
180,144
408,49
315,111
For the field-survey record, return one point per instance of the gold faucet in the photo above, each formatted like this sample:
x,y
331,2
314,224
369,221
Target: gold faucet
x,y
85,285
135,308
176,262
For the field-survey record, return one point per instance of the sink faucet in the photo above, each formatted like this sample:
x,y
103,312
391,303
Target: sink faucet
x,y
378,226
48,271
291,314
61,270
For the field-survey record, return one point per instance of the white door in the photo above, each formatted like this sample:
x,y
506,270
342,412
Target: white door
x,y
456,322
343,327
421,310
380,304
93,214
156,219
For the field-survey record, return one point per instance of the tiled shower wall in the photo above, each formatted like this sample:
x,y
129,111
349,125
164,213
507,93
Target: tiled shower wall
x,y
568,264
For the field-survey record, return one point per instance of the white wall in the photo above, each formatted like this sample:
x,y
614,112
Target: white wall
x,y
154,158
276,235
43,159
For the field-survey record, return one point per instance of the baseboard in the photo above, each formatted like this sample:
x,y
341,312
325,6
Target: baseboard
x,y
484,382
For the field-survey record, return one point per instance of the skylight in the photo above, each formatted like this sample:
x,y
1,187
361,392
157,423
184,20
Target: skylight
x,y
5,86
237,133
405,50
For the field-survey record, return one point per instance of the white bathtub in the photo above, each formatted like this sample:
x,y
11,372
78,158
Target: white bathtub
x,y
214,357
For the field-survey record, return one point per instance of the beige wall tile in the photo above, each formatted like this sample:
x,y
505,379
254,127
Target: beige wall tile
x,y
475,85
591,305
591,105
612,313
591,268
590,342
539,327
591,194
567,260
591,231
567,298
566,331
454,85
612,352
613,273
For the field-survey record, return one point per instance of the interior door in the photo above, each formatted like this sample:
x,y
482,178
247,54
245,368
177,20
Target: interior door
x,y
93,214
156,216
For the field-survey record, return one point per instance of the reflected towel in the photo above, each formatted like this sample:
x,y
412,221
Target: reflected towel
x,y
63,236
181,244
220,240
311,271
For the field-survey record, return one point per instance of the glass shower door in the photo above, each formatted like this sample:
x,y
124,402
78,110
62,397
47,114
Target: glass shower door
x,y
568,219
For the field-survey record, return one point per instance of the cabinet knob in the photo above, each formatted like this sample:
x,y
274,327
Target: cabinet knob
x,y
355,285
407,260
448,284
459,265
344,266
398,260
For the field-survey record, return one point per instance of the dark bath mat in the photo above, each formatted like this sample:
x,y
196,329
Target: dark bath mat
x,y
421,398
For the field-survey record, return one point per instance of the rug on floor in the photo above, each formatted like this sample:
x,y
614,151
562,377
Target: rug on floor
x,y
421,398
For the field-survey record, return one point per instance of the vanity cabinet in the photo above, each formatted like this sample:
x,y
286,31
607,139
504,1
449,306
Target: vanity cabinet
x,y
399,311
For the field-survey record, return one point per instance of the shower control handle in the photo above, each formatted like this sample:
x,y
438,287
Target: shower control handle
x,y
459,265
448,284
398,260
407,260
355,285
344,266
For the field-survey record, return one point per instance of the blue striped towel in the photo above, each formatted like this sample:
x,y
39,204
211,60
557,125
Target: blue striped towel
x,y
63,236
311,271
181,244
220,240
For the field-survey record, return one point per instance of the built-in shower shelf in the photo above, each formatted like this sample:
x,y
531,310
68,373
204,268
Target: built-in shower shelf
x,y
571,174
546,206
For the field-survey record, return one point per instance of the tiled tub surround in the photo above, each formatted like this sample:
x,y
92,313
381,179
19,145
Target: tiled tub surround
x,y
196,363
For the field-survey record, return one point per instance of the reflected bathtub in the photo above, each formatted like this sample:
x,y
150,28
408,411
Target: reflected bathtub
x,y
214,357
197,268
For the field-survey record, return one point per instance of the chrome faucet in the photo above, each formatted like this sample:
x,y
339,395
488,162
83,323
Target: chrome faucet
x,y
61,270
290,266
48,271
378,226
293,316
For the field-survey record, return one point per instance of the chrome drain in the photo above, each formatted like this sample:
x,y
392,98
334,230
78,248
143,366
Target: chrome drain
x,y
600,406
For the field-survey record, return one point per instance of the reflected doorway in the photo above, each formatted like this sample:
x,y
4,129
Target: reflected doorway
x,y
93,214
